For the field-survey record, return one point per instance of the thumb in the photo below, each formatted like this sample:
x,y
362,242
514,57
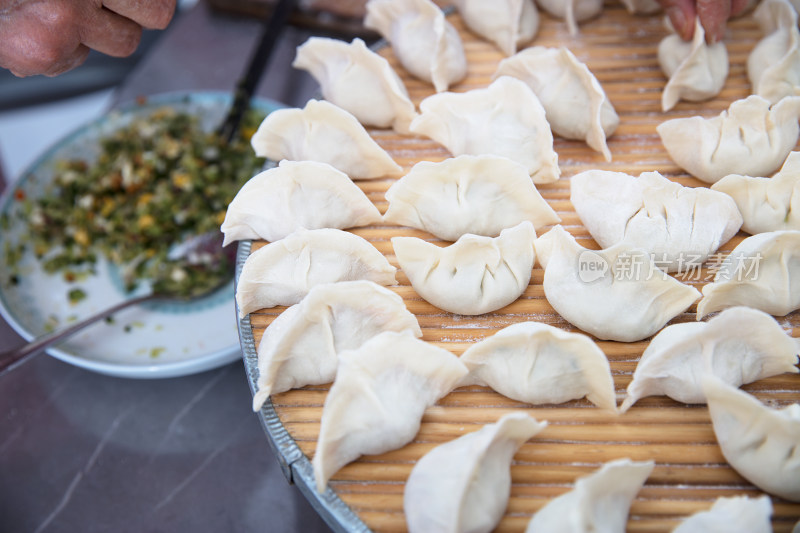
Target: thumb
x,y
713,16
681,14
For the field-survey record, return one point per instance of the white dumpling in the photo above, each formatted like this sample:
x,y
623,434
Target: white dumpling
x,y
739,346
763,272
473,276
294,195
282,272
598,502
537,363
300,347
642,7
750,137
326,133
481,195
573,11
507,23
680,226
424,42
614,294
465,484
773,66
696,70
575,103
359,81
767,204
738,514
761,444
378,398
504,119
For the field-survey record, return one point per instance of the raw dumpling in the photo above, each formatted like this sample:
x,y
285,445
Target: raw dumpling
x,y
574,102
762,272
774,64
642,7
750,138
537,363
294,195
599,502
325,133
739,346
464,484
359,81
481,195
504,119
696,70
473,276
282,273
300,347
573,11
507,23
761,444
738,514
767,204
679,226
614,294
377,400
426,44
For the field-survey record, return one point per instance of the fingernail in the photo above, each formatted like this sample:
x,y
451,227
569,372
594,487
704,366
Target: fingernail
x,y
715,34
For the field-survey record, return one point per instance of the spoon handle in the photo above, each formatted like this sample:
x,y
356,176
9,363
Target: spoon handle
x,y
11,359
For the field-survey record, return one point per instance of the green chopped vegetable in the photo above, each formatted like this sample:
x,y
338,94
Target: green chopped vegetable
x,y
51,323
156,182
76,295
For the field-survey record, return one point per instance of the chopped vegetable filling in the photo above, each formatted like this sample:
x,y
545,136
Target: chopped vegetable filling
x,y
157,181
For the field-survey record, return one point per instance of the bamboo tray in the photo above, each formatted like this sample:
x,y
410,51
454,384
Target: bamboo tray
x,y
690,472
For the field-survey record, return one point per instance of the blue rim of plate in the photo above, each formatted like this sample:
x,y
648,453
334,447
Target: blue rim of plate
x,y
294,463
182,367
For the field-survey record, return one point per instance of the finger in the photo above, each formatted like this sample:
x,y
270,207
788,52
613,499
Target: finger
x,y
738,7
110,33
38,38
713,16
69,61
66,61
681,14
154,14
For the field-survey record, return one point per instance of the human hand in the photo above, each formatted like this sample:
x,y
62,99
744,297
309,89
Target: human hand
x,y
53,36
713,16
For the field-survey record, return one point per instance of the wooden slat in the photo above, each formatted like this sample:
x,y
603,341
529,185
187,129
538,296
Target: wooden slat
x,y
690,470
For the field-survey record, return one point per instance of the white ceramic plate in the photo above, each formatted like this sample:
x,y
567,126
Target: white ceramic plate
x,y
154,340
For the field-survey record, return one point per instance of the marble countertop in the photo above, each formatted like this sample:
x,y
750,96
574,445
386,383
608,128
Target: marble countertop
x,y
85,452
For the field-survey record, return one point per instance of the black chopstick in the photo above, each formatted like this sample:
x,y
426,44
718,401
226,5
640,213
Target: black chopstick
x,y
272,28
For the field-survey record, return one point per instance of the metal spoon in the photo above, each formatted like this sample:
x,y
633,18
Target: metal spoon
x,y
201,252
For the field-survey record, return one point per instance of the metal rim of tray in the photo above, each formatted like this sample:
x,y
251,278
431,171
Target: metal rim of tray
x,y
294,464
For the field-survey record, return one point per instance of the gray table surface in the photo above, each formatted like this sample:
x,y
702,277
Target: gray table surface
x,y
84,452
